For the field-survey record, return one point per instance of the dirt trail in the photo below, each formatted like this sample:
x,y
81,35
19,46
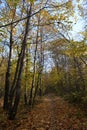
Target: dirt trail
x,y
53,113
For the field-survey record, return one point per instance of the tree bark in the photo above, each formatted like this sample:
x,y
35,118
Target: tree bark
x,y
34,70
17,87
7,79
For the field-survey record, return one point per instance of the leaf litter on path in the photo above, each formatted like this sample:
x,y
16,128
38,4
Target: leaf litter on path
x,y
53,113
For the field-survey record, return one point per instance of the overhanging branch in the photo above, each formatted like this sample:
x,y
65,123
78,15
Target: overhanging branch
x,y
8,24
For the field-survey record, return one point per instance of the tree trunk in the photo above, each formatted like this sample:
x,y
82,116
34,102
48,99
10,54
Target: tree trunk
x,y
13,108
26,77
7,79
34,70
36,89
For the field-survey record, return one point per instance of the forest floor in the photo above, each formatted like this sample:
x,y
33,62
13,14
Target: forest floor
x,y
51,113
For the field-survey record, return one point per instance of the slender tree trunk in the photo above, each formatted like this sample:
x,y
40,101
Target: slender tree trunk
x,y
40,58
36,89
34,70
42,63
26,77
40,84
13,87
14,107
7,78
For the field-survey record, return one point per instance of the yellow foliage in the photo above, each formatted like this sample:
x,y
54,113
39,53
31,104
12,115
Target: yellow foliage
x,y
62,17
14,31
69,4
12,13
76,49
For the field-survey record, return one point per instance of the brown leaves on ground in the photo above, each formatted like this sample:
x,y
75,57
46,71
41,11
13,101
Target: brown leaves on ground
x,y
53,113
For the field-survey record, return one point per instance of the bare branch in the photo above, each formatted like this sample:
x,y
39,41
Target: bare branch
x,y
8,24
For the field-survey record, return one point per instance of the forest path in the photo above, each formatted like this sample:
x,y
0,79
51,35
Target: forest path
x,y
52,113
